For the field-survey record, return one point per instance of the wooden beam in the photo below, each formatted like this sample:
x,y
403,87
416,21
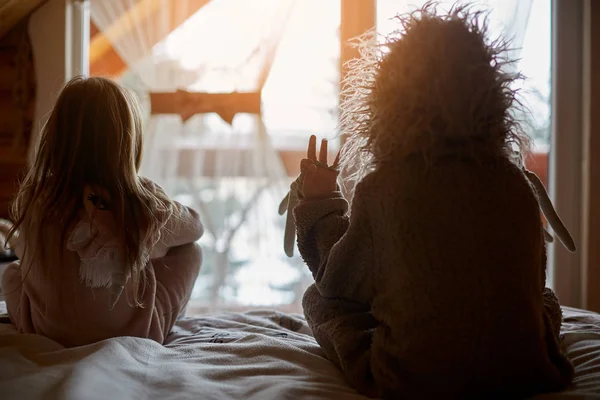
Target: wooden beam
x,y
109,63
105,60
93,30
187,104
14,11
188,161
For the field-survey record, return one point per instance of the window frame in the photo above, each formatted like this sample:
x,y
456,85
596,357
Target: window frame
x,y
565,167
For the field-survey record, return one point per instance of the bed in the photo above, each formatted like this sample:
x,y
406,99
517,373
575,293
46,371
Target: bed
x,y
256,355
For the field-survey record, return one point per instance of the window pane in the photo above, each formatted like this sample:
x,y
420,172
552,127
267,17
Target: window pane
x,y
301,94
534,36
300,98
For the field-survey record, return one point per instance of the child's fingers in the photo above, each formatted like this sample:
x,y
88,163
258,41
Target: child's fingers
x,y
304,164
323,152
312,148
311,171
336,163
311,175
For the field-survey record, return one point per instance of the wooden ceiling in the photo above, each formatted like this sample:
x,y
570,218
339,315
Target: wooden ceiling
x,y
13,11
106,61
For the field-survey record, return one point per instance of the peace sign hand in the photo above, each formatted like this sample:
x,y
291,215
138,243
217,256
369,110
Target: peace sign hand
x,y
320,179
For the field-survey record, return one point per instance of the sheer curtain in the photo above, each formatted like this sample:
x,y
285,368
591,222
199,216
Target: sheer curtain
x,y
210,149
198,68
508,18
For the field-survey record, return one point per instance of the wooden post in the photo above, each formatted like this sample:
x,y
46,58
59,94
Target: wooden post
x,y
590,246
59,32
357,17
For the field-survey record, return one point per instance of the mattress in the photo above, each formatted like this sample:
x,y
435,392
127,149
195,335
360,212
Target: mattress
x,y
256,355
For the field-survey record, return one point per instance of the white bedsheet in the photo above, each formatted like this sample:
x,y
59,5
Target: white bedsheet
x,y
260,355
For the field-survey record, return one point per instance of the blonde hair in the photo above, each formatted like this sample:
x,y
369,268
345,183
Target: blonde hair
x,y
436,82
92,137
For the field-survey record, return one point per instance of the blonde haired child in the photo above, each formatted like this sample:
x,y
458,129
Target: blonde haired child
x,y
102,251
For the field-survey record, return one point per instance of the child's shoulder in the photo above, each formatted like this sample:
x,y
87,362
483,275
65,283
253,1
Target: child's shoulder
x,y
375,183
387,172
156,190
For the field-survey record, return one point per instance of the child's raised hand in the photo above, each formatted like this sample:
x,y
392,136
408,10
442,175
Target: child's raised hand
x,y
320,179
316,179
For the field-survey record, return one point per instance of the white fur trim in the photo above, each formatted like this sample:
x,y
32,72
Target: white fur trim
x,y
98,271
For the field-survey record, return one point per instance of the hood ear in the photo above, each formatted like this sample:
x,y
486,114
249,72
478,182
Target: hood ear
x,y
550,213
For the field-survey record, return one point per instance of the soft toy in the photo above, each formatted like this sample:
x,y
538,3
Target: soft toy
x,y
97,244
292,198
96,241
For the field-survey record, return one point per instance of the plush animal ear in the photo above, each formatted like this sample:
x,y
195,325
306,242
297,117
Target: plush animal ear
x,y
284,204
550,213
287,204
289,236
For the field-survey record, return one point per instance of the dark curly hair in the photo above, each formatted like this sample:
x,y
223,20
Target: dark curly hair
x,y
436,81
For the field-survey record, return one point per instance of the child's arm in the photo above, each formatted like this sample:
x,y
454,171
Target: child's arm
x,y
179,231
182,228
337,248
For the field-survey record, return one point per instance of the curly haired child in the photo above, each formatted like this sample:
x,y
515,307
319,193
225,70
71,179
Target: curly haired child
x,y
102,251
433,285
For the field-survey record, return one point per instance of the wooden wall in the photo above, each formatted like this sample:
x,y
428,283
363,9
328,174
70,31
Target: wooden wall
x,y
17,101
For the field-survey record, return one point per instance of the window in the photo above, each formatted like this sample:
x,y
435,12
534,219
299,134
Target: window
x,y
244,264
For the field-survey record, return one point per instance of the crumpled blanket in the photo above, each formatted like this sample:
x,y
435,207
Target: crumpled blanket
x,y
254,356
